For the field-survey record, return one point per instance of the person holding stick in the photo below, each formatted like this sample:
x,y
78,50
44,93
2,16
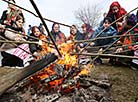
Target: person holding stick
x,y
110,31
115,12
9,59
128,23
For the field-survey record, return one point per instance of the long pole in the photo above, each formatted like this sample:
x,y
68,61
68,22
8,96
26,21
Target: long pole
x,y
106,28
107,55
114,42
49,34
107,37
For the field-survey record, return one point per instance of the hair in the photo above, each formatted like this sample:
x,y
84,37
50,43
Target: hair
x,y
54,25
131,19
13,1
107,19
33,28
19,17
74,26
88,27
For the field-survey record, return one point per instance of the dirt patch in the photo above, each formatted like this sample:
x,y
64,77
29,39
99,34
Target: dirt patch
x,y
124,81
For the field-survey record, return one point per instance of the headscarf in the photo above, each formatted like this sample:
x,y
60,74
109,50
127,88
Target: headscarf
x,y
121,11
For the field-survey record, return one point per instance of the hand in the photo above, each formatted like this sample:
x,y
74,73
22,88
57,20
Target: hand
x,y
92,43
1,26
101,50
38,55
18,38
135,47
119,50
81,45
119,23
119,43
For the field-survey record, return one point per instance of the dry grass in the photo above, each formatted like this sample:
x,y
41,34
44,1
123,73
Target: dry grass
x,y
124,82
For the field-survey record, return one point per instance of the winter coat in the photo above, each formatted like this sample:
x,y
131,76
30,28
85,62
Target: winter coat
x,y
128,39
119,14
34,47
10,15
108,32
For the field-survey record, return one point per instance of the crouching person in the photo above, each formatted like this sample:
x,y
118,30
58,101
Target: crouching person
x,y
8,58
37,50
127,41
109,31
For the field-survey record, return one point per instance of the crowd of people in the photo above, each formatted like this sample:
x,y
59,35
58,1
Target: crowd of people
x,y
13,19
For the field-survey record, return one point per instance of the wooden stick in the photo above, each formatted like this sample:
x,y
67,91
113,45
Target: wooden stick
x,y
26,35
107,55
111,48
17,46
108,37
35,14
113,43
19,42
110,25
49,34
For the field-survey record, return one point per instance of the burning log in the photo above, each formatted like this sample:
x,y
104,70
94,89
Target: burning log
x,y
101,83
11,79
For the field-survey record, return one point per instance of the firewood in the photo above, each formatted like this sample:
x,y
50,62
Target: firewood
x,y
7,81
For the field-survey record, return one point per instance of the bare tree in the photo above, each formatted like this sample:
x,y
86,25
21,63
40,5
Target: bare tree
x,y
89,14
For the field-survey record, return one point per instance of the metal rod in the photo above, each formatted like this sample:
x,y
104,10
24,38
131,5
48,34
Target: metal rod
x,y
49,34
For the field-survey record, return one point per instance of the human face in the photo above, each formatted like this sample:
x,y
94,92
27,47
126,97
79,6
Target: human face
x,y
37,32
56,28
73,30
106,24
115,9
19,23
84,29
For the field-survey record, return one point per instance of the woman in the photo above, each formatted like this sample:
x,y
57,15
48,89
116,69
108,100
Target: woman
x,y
129,22
36,49
115,12
10,15
8,58
110,31
75,34
58,36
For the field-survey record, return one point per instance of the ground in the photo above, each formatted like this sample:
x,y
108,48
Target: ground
x,y
124,80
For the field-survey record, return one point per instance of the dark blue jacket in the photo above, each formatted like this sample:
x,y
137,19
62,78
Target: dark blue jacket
x,y
108,32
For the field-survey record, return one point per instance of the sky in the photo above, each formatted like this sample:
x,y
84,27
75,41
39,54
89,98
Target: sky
x,y
63,10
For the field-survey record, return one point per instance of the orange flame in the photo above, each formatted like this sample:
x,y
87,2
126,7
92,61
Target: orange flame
x,y
67,59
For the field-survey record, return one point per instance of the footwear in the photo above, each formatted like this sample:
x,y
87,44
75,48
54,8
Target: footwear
x,y
98,61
